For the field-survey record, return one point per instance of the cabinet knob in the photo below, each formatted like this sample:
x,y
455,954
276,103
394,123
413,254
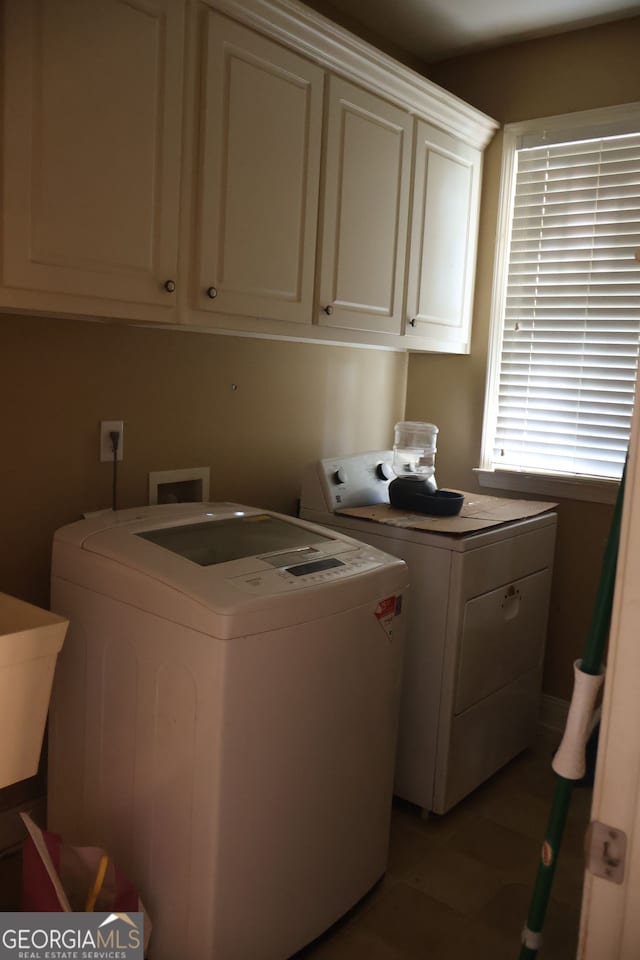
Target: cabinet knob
x,y
212,293
412,322
328,310
170,286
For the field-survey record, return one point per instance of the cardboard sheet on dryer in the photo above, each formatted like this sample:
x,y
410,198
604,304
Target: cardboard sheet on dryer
x,y
478,513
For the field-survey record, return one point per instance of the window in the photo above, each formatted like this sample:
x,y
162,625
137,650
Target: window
x,y
566,313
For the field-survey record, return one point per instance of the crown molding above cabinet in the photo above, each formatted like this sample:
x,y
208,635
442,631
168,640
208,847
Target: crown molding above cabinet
x,y
342,53
206,196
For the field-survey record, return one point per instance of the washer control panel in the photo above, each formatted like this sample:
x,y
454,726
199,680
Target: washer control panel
x,y
322,569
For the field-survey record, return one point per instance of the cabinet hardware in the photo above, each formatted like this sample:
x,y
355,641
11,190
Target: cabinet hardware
x,y
212,293
170,286
328,310
412,322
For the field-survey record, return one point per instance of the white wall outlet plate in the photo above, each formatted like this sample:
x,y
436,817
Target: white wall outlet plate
x,y
106,449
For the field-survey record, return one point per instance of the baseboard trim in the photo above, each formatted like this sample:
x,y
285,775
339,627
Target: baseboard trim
x,y
12,831
553,713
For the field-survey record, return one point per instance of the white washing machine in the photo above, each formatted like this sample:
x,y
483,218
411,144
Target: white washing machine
x,y
476,628
224,719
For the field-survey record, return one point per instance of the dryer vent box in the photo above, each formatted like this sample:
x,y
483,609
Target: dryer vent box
x,y
179,486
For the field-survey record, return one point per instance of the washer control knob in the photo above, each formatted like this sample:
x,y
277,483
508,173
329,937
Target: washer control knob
x,y
339,476
384,471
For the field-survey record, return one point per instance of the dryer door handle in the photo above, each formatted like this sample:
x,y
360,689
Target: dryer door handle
x,y
511,603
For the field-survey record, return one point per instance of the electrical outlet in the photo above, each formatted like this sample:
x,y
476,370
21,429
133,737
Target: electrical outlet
x,y
106,449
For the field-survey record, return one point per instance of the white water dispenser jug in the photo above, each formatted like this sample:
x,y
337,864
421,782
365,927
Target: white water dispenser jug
x,y
415,487
414,452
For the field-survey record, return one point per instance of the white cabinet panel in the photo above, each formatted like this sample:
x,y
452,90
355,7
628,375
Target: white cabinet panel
x,y
443,239
368,165
259,176
93,118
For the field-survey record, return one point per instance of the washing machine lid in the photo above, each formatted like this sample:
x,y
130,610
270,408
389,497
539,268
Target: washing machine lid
x,y
231,559
211,541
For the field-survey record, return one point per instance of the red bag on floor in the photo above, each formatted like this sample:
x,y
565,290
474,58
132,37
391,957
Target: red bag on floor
x,y
59,877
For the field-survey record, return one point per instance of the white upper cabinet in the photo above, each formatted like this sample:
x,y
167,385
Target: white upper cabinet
x,y
444,229
92,149
296,203
365,216
257,196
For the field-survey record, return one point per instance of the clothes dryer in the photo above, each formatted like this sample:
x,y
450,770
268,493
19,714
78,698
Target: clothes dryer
x,y
477,621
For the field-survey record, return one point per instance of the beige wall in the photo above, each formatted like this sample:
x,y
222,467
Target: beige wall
x,y
576,71
359,28
294,403
173,389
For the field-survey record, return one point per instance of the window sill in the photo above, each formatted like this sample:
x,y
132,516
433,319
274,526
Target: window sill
x,y
549,485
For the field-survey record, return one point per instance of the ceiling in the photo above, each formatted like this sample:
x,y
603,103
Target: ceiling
x,y
432,30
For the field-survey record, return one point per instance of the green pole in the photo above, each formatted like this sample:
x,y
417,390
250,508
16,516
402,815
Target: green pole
x,y
591,664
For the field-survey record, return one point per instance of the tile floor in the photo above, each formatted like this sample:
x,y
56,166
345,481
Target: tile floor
x,y
457,886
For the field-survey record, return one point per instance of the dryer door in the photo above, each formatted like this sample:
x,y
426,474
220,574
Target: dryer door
x,y
503,635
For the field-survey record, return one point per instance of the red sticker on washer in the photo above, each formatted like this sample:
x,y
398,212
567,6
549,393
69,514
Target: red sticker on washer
x,y
386,608
385,612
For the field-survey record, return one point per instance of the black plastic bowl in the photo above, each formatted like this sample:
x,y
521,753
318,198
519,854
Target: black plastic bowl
x,y
412,495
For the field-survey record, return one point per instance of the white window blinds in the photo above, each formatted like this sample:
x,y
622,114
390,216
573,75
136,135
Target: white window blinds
x,y
572,311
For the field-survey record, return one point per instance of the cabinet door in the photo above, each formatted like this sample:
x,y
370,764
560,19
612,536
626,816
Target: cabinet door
x,y
93,104
367,170
444,230
261,125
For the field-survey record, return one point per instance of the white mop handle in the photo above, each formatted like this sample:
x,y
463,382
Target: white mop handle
x,y
569,762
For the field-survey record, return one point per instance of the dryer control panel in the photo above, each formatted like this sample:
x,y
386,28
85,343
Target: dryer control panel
x,y
350,481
